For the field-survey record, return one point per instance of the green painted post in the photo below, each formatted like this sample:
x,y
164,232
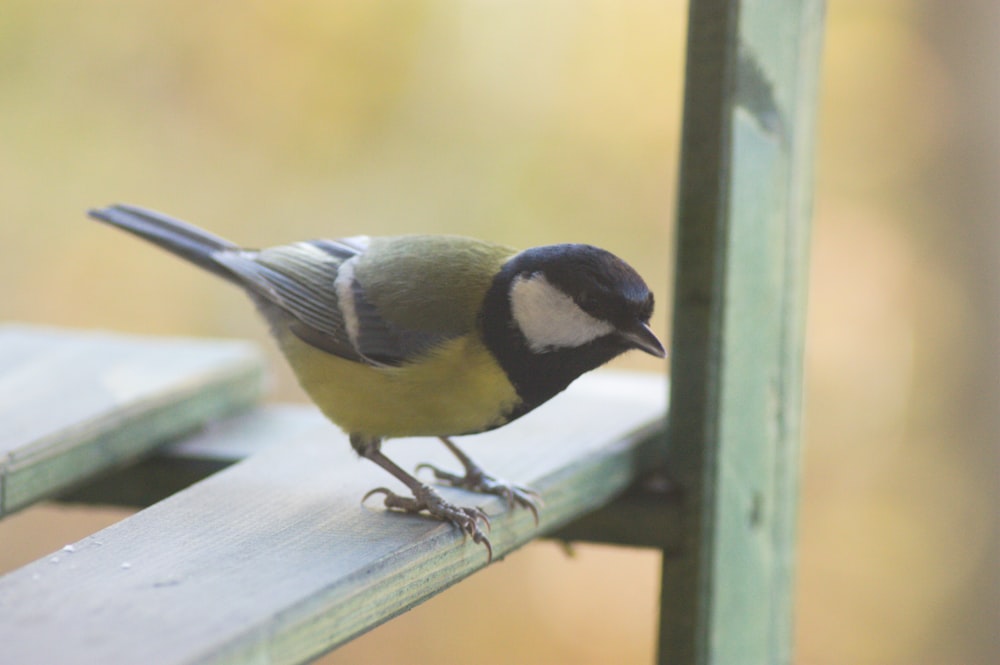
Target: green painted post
x,y
743,221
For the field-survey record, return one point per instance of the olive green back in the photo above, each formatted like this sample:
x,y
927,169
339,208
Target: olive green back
x,y
432,283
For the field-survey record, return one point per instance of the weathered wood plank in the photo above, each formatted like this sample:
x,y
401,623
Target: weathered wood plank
x,y
175,466
275,560
743,219
74,403
641,517
638,518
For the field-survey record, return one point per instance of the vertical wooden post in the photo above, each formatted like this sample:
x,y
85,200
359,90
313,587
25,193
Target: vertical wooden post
x,y
743,219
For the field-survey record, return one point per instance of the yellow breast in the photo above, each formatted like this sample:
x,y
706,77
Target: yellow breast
x,y
458,389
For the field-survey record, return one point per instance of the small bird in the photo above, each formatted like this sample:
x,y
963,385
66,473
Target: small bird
x,y
427,335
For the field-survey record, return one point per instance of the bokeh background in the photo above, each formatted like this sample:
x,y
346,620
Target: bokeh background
x,y
535,122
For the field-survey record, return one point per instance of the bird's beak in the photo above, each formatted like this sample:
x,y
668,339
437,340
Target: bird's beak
x,y
639,336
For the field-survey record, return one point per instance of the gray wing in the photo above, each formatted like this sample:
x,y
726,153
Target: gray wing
x,y
313,287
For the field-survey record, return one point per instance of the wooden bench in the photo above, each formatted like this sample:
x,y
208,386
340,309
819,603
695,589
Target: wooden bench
x,y
257,548
274,555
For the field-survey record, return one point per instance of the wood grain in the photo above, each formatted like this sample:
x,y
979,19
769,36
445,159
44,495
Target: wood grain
x,y
74,404
276,560
739,307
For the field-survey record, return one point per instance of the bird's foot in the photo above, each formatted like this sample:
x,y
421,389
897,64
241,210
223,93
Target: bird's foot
x,y
477,480
425,499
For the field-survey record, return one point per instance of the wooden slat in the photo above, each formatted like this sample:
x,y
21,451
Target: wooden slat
x,y
74,404
743,218
645,516
178,465
641,517
275,560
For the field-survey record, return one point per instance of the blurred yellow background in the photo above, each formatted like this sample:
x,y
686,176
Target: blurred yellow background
x,y
536,122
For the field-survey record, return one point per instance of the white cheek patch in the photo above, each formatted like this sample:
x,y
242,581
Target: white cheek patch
x,y
549,319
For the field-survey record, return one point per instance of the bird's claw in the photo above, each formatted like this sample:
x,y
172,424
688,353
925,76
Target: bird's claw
x,y
425,499
478,480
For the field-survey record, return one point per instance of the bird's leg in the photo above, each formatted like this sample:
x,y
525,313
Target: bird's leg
x,y
424,498
477,480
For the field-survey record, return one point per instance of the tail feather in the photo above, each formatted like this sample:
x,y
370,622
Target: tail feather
x,y
180,238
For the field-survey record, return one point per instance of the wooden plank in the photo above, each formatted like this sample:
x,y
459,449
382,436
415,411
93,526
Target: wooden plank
x,y
641,517
644,516
178,465
74,404
746,173
275,559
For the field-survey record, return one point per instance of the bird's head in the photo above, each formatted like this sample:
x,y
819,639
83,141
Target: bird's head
x,y
557,311
568,296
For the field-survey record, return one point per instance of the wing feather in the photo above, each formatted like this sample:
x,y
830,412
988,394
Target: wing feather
x,y
314,286
298,280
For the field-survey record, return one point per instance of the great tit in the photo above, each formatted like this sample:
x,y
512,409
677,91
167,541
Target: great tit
x,y
427,335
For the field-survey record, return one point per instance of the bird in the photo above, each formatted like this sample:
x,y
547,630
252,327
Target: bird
x,y
426,335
